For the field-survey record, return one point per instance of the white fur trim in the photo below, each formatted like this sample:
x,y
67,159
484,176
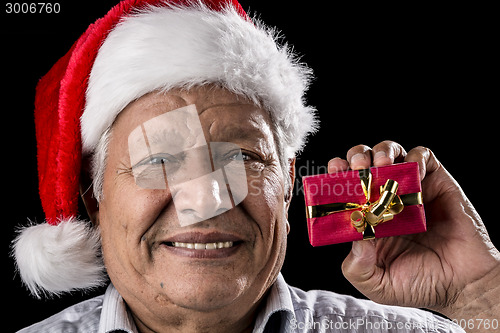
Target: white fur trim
x,y
56,259
161,48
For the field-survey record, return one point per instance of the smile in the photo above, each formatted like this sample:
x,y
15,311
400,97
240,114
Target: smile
x,y
202,246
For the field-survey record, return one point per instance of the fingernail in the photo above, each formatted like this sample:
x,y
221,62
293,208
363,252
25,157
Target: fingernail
x,y
331,167
357,159
379,154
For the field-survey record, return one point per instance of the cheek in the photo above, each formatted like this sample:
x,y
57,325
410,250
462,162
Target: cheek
x,y
127,218
265,201
268,209
272,187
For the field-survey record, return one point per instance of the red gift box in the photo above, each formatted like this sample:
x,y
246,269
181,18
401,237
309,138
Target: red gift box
x,y
387,201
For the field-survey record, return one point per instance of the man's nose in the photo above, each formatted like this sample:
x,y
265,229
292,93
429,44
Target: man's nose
x,y
201,198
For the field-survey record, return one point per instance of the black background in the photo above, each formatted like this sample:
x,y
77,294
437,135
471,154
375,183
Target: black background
x,y
419,74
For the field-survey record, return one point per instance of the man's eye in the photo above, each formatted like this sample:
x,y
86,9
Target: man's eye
x,y
238,156
158,159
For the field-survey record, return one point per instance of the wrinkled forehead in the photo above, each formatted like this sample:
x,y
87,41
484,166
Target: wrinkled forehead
x,y
184,117
178,130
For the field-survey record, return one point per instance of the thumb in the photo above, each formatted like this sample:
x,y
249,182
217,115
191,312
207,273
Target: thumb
x,y
360,264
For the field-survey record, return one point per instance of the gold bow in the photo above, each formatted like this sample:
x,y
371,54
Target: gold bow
x,y
371,214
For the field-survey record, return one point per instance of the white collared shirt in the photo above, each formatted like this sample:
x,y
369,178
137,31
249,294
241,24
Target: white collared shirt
x,y
286,309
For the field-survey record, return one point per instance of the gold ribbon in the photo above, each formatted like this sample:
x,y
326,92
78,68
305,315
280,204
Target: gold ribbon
x,y
371,214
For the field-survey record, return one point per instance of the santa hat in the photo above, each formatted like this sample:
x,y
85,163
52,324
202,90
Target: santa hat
x,y
138,47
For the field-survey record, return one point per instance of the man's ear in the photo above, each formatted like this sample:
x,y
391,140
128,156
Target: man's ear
x,y
291,174
288,194
87,192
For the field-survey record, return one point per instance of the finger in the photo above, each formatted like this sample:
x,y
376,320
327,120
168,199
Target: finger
x,y
427,162
337,164
387,152
359,157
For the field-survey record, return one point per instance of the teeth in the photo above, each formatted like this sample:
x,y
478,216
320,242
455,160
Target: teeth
x,y
203,246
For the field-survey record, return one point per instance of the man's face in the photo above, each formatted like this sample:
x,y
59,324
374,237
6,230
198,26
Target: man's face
x,y
227,254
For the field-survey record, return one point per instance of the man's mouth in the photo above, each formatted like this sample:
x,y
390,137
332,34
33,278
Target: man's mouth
x,y
202,246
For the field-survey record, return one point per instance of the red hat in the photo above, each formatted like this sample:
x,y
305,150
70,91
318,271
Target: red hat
x,y
109,66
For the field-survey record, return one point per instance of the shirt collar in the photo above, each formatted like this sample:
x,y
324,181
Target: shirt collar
x,y
114,315
278,302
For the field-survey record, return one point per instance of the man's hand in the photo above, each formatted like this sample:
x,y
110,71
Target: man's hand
x,y
453,268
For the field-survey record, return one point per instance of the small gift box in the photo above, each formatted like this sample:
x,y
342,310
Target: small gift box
x,y
364,204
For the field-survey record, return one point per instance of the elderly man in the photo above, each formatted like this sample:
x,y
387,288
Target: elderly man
x,y
184,121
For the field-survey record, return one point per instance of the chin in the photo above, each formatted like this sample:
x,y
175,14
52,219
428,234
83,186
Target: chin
x,y
206,292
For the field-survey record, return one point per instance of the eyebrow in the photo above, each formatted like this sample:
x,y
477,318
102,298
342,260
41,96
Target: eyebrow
x,y
232,133
163,135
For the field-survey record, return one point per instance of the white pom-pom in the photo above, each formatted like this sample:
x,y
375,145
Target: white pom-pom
x,y
56,259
